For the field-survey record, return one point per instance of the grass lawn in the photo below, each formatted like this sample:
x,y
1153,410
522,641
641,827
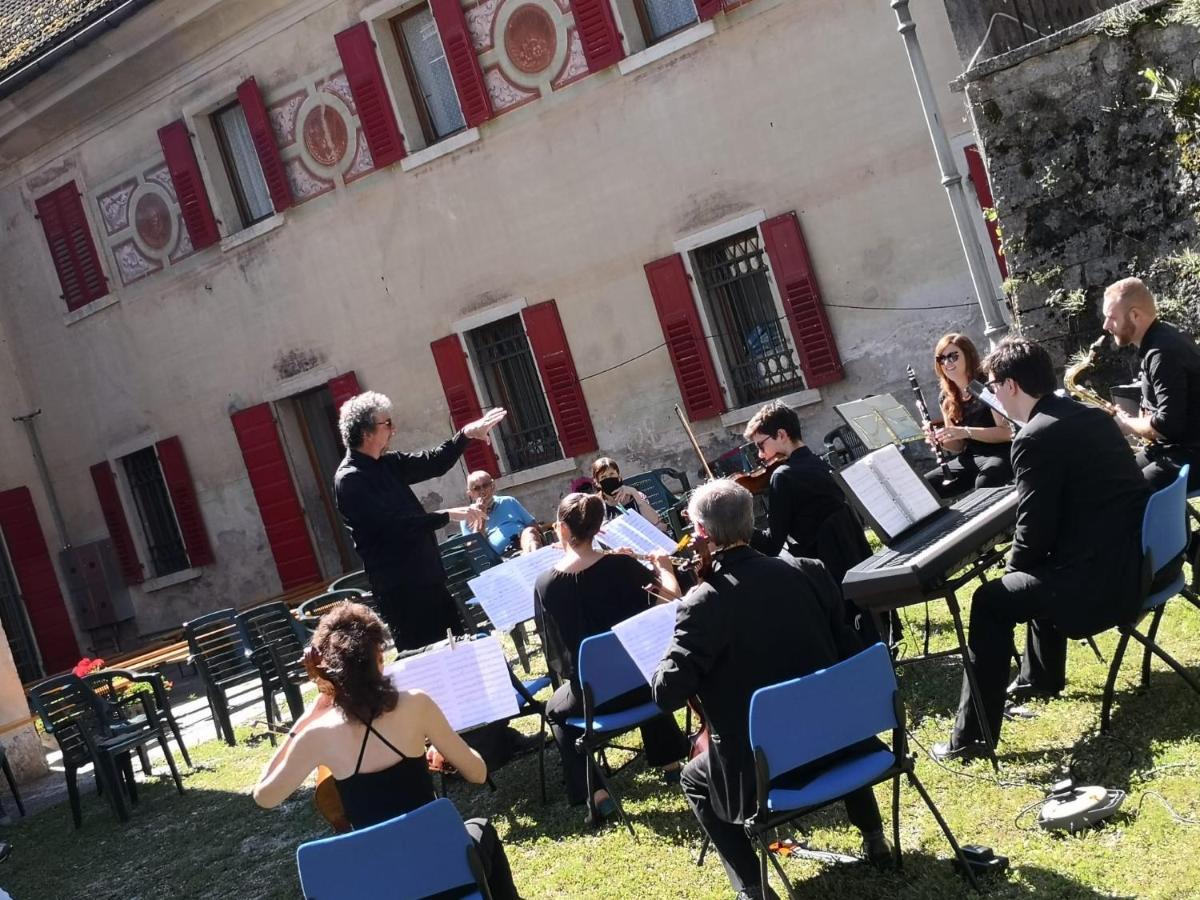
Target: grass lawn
x,y
214,841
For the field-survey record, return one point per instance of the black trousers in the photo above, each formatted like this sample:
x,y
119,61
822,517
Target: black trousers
x,y
737,851
662,739
495,863
1161,467
996,609
417,616
969,471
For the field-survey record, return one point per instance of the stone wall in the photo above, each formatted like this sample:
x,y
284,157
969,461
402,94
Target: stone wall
x,y
1087,172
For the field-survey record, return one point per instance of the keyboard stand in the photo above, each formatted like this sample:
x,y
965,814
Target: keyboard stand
x,y
949,593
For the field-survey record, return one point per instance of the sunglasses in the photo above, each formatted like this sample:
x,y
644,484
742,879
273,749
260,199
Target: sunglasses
x,y
953,356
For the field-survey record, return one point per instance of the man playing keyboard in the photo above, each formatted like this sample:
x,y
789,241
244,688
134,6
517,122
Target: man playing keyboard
x,y
1075,563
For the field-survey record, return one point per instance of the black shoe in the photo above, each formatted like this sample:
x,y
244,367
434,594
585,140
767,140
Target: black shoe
x,y
1020,691
944,752
877,850
600,813
1014,711
757,893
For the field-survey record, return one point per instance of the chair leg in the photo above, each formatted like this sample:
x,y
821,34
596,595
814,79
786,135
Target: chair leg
x,y
787,882
958,854
1151,634
542,753
174,726
1168,659
221,717
295,700
125,762
271,709
704,845
896,820
105,768
12,783
144,759
518,639
73,796
612,794
162,742
1110,683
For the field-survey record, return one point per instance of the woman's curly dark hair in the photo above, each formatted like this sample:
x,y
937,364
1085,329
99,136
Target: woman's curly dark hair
x,y
346,647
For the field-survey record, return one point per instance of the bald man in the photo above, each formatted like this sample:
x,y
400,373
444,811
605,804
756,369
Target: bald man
x,y
1170,363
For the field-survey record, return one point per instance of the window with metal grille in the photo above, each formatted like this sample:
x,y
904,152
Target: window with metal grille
x,y
752,336
662,18
428,74
510,379
159,528
242,167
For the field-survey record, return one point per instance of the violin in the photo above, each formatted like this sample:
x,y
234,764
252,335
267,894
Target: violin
x,y
326,798
758,480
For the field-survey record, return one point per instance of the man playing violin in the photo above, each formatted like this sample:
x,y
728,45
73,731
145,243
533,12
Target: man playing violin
x,y
755,621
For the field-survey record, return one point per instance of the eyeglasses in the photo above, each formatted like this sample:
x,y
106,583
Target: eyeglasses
x,y
385,422
762,443
482,485
992,385
952,356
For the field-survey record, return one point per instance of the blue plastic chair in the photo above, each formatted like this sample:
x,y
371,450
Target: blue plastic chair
x,y
606,672
829,711
1164,542
406,858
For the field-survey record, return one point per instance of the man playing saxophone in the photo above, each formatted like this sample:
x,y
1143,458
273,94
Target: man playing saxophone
x,y
1170,367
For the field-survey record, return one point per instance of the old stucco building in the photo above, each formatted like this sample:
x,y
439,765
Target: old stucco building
x,y
222,217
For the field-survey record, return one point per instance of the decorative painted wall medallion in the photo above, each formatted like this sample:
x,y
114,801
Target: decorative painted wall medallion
x,y
530,39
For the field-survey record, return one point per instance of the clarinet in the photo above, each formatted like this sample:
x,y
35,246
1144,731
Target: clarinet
x,y
919,399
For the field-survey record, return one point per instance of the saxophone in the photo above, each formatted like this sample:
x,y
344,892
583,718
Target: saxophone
x,y
1082,362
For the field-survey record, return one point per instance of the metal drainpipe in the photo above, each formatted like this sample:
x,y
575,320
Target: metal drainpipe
x,y
43,472
995,327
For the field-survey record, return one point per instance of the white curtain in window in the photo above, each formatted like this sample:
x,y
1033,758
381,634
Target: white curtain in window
x,y
244,159
667,16
433,73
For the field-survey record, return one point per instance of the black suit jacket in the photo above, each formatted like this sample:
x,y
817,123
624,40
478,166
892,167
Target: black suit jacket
x,y
1080,502
756,621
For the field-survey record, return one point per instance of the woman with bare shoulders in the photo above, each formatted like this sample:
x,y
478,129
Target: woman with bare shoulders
x,y
372,737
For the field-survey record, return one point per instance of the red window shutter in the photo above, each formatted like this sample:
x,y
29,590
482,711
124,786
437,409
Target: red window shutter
x,y
464,64
189,185
118,526
343,388
365,77
37,580
685,339
178,479
451,364
71,246
597,33
802,300
255,110
549,344
275,493
709,8
983,190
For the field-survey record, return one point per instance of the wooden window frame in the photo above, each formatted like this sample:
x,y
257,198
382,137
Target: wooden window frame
x,y
643,17
410,76
231,172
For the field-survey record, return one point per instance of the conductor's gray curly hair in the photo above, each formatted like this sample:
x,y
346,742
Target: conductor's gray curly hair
x,y
357,417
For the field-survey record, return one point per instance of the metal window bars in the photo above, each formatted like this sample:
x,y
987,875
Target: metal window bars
x,y
163,541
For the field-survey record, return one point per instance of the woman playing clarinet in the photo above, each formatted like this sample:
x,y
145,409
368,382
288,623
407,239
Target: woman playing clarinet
x,y
979,437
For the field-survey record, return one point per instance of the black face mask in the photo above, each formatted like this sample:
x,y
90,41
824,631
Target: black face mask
x,y
610,485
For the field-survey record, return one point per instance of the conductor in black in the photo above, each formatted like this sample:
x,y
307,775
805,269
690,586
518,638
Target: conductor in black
x,y
392,532
1075,563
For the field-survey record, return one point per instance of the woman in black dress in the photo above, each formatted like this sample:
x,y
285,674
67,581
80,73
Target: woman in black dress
x,y
587,593
980,437
372,737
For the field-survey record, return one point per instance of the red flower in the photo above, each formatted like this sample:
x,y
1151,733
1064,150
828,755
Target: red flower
x,y
85,666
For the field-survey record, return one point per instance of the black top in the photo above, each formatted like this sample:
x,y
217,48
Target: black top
x,y
977,414
755,621
1171,384
571,606
803,494
369,798
1080,500
393,534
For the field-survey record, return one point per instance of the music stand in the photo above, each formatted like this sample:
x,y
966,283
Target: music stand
x,y
880,420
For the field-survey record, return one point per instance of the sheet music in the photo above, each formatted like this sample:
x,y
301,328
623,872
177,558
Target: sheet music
x,y
468,680
647,636
632,530
880,420
908,488
506,591
871,493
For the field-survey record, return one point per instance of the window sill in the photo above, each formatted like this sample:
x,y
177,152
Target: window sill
x,y
674,43
741,416
537,473
248,234
150,585
440,149
89,309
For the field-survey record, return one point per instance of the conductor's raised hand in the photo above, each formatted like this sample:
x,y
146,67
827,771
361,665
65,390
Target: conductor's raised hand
x,y
481,427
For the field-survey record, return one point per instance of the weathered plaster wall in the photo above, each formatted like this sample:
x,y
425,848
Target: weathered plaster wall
x,y
566,198
1085,171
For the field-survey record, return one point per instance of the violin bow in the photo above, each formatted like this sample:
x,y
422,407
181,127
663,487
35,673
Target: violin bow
x,y
695,444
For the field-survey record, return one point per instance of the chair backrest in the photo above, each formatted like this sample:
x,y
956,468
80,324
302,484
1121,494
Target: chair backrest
x,y
801,720
273,625
310,611
1165,524
606,669
351,581
463,557
217,639
651,484
481,553
411,856
845,445
67,706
